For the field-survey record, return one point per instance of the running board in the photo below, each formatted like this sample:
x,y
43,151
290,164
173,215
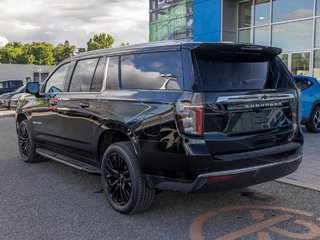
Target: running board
x,y
71,162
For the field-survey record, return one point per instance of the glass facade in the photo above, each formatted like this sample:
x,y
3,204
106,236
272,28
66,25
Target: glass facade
x,y
170,19
293,25
285,10
262,35
262,12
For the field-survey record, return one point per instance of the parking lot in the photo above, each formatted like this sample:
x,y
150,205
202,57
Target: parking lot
x,y
48,200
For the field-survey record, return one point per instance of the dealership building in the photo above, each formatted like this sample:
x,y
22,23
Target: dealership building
x,y
293,25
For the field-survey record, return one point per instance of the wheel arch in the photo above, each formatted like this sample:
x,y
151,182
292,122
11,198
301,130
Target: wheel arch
x,y
108,135
20,117
315,104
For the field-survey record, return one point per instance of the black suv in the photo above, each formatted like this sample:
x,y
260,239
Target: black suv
x,y
189,117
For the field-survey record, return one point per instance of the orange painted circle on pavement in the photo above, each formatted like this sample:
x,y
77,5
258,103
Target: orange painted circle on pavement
x,y
262,226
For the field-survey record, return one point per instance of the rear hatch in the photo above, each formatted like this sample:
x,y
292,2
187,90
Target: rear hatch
x,y
249,98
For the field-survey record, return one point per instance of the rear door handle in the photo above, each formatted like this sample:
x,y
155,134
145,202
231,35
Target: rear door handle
x,y
84,105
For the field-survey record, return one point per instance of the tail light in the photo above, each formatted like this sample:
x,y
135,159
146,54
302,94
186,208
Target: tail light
x,y
189,114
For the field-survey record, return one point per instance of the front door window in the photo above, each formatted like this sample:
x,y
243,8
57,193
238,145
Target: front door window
x,y
56,82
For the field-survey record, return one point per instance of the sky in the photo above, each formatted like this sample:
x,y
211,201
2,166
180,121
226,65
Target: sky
x,y
55,21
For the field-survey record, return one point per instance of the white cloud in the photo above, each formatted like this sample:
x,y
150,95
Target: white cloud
x,y
75,20
3,41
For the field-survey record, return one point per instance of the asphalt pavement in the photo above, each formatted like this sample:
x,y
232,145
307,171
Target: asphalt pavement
x,y
48,200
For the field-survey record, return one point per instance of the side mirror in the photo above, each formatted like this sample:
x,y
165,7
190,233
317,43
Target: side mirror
x,y
33,88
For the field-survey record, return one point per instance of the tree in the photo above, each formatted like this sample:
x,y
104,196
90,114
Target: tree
x,y
123,44
42,52
25,57
10,52
63,51
100,41
81,50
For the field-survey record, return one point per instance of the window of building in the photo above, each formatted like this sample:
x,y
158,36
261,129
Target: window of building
x,y
40,77
83,75
288,37
284,10
245,35
113,74
300,63
245,14
262,36
152,71
285,59
318,7
262,12
316,62
56,81
317,33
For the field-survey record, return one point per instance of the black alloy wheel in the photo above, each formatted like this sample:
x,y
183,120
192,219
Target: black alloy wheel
x,y
26,143
118,179
124,186
314,124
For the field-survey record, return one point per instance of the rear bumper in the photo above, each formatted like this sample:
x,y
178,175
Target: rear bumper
x,y
223,180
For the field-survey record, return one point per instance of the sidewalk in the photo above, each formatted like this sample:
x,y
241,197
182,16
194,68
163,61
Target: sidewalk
x,y
308,174
5,112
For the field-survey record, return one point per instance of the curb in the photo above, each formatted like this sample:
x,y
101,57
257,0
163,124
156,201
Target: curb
x,y
7,114
299,184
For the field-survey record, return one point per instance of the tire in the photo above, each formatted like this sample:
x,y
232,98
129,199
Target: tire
x,y
314,123
122,181
26,143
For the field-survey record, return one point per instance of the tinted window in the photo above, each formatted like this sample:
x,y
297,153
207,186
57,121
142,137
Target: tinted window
x,y
16,84
152,71
113,73
302,83
97,82
56,81
4,85
233,72
83,75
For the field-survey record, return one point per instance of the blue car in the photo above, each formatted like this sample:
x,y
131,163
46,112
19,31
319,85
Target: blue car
x,y
310,102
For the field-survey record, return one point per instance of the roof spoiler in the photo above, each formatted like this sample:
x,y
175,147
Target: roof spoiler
x,y
240,48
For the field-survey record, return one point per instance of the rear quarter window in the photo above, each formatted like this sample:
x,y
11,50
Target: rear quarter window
x,y
152,71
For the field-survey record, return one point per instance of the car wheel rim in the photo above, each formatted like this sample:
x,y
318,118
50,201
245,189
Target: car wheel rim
x,y
118,180
317,120
24,141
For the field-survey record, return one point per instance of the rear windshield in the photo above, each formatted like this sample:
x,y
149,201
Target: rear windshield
x,y
237,71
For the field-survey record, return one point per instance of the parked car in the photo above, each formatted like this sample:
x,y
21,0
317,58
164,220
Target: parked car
x,y
9,85
310,102
189,117
6,98
15,99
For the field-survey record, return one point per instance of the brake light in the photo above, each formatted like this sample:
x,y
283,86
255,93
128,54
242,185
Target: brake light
x,y
190,114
